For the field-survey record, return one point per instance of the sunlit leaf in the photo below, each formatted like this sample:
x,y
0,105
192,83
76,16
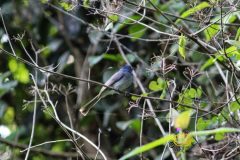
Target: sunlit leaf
x,y
234,106
193,10
183,120
149,146
113,17
237,38
211,31
219,136
182,46
20,72
66,5
158,85
183,140
8,117
208,63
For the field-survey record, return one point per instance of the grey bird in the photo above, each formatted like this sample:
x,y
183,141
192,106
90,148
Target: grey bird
x,y
120,80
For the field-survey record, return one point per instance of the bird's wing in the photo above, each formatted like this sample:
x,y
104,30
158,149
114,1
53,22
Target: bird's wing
x,y
113,79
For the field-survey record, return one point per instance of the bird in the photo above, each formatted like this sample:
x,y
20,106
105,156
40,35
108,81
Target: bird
x,y
121,80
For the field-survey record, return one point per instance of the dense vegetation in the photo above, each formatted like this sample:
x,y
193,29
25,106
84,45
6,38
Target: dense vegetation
x,y
56,55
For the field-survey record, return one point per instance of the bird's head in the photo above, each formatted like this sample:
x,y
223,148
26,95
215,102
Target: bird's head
x,y
126,68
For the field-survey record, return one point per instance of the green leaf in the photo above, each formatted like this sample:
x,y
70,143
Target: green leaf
x,y
43,1
128,21
113,17
172,137
158,85
192,93
113,57
202,124
20,72
182,45
211,31
86,3
134,98
237,38
234,106
193,10
208,63
214,131
8,117
219,136
151,145
66,5
136,31
199,92
135,124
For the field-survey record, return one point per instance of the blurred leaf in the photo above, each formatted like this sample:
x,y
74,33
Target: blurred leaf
x,y
237,38
211,31
8,117
58,147
113,17
44,1
192,93
66,5
149,146
3,106
5,84
219,136
20,72
136,31
123,125
134,124
134,98
193,10
202,124
234,106
182,45
127,21
158,85
92,60
112,57
86,3
183,119
184,140
16,133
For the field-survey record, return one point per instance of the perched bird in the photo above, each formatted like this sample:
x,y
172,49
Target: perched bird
x,y
120,80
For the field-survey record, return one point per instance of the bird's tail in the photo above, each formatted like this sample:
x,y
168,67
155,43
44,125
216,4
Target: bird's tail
x,y
89,105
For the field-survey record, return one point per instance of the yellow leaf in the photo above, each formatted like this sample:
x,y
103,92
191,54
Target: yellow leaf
x,y
183,119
